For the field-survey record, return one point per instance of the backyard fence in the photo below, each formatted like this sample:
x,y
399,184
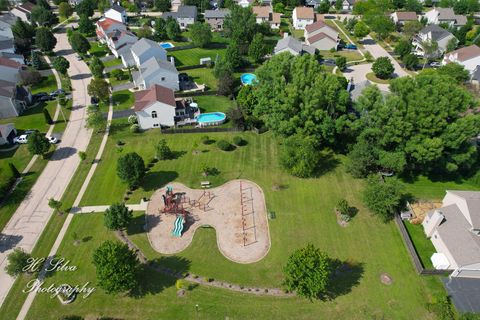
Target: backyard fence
x,y
179,48
196,66
196,93
199,130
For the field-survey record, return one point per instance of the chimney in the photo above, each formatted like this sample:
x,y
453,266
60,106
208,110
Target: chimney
x,y
172,61
432,223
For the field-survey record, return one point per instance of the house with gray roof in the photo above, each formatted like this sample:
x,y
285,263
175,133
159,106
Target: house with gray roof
x,y
292,45
116,13
14,99
185,15
215,18
156,71
445,15
144,49
454,230
432,33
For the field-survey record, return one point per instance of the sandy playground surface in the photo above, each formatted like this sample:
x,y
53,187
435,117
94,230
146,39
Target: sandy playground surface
x,y
242,235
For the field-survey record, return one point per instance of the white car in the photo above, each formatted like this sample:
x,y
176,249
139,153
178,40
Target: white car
x,y
52,140
21,139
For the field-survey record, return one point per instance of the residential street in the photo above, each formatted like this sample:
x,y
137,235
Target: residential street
x,y
26,225
378,51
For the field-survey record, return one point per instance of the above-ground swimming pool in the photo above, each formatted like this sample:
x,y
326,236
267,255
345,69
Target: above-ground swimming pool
x,y
211,119
166,45
248,78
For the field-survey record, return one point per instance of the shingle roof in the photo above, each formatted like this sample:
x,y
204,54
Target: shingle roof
x,y
106,23
9,63
319,36
445,13
406,15
7,88
186,12
305,13
262,11
293,44
118,8
28,6
152,67
466,53
315,26
222,13
472,198
460,20
145,98
437,32
143,45
8,18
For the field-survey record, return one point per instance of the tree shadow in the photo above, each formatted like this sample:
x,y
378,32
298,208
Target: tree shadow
x,y
328,162
347,275
176,154
87,238
8,242
157,179
116,127
137,225
63,153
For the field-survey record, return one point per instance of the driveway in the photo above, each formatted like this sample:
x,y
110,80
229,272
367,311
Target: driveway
x,y
378,51
358,74
28,222
123,86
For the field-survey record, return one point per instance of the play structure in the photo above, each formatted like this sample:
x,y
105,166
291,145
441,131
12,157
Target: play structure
x,y
236,210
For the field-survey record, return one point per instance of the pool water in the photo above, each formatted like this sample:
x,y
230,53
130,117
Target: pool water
x,y
166,45
248,78
211,118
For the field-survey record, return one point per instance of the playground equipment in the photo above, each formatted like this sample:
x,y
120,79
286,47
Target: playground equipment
x,y
246,203
178,226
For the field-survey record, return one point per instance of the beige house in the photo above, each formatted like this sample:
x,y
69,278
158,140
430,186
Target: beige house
x,y
302,17
321,36
400,17
266,14
215,18
468,57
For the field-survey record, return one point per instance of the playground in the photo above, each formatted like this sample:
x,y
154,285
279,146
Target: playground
x,y
236,210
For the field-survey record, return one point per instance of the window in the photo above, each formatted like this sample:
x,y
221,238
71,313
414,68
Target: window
x,y
156,125
154,114
163,78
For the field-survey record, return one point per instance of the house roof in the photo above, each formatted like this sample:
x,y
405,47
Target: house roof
x,y
143,45
460,20
8,18
156,93
9,63
351,2
185,12
319,36
293,44
476,74
10,55
7,88
472,198
305,13
406,15
117,8
6,43
222,13
445,13
106,23
437,32
27,6
315,26
466,53
276,17
262,11
153,67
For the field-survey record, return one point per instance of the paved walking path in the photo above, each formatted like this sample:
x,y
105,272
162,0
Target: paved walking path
x,y
142,206
27,224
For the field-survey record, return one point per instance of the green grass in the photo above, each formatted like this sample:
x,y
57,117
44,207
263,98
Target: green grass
x,y
114,81
123,100
204,76
113,62
424,188
191,57
371,76
304,213
423,246
47,84
351,55
98,50
213,103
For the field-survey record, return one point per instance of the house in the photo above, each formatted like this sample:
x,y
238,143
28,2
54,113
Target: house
x,y
8,18
175,4
10,70
185,15
156,71
13,99
215,18
445,15
266,14
400,17
7,44
13,57
432,33
145,49
157,107
74,3
468,57
302,16
475,77
454,230
106,27
347,5
292,45
23,11
244,3
119,39
7,133
117,13
313,3
321,36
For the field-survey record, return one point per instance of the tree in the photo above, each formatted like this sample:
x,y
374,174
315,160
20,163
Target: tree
x,y
31,77
162,150
201,34
43,4
97,67
43,17
98,87
308,272
381,25
240,26
163,5
85,25
95,120
38,144
226,84
103,5
341,63
14,170
338,5
410,28
117,217
117,74
18,261
48,118
403,47
410,61
383,198
23,34
86,8
413,5
257,49
55,204
4,4
79,43
324,6
452,44
116,266
246,101
65,10
455,71
202,5
222,68
299,156
233,56
430,49
160,29
130,168
144,32
383,68
361,29
36,60
44,39
61,64
398,4
173,29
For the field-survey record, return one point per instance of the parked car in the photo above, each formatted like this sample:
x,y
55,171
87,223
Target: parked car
x,y
57,92
351,46
21,139
94,100
30,131
52,139
435,64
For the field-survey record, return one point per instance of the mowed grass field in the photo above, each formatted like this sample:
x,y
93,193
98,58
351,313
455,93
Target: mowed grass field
x,y
191,57
304,213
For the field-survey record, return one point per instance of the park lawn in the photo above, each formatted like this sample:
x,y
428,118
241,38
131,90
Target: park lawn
x,y
423,246
350,55
47,84
113,62
304,213
204,76
123,100
213,103
191,57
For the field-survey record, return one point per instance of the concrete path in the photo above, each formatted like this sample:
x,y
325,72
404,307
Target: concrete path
x,y
111,68
108,58
142,206
123,86
378,51
31,217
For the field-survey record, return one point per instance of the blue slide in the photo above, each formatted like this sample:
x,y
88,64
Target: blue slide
x,y
178,227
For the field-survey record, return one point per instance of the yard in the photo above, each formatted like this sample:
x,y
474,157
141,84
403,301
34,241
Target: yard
x,y
213,103
123,100
423,246
304,213
351,55
204,76
98,50
191,57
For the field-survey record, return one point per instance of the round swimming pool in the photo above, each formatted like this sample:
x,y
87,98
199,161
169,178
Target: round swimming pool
x,y
211,119
248,78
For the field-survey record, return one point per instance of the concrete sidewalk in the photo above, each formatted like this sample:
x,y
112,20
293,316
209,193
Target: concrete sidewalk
x,y
142,206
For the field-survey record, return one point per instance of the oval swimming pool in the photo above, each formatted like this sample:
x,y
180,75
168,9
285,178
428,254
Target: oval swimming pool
x,y
211,119
248,78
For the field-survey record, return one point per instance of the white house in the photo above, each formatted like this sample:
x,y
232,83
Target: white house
x,y
106,27
454,230
7,133
145,49
117,13
400,17
23,11
347,5
321,36
469,57
244,3
119,39
429,34
157,107
445,15
303,16
266,14
185,16
156,71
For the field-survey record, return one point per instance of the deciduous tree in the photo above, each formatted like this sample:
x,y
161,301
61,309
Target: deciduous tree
x,y
383,198
131,168
79,43
98,87
61,64
383,68
257,49
44,39
38,144
300,156
18,260
117,216
201,34
65,10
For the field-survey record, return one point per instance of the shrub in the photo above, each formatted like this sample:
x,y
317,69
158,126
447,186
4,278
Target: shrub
x,y
82,155
224,145
238,141
205,139
132,119
134,128
17,262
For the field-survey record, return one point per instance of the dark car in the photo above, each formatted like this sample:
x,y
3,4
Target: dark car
x,y
94,100
351,46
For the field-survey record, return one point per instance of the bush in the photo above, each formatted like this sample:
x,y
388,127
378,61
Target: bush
x,y
383,68
238,141
299,156
224,145
132,119
17,261
135,128
383,198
